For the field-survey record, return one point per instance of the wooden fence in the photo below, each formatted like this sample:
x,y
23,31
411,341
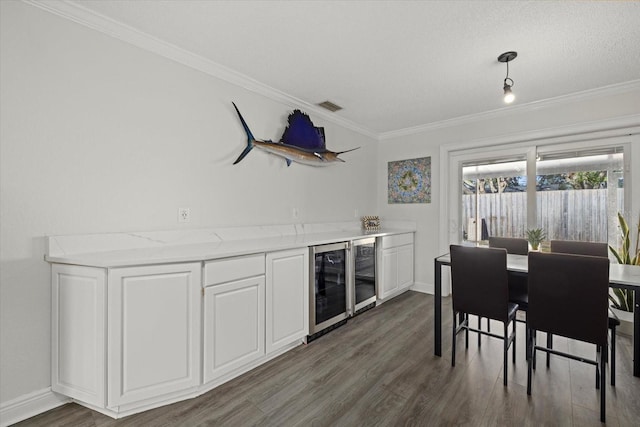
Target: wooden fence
x,y
564,215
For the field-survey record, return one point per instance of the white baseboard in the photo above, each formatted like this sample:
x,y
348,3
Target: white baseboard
x,y
428,288
29,405
425,288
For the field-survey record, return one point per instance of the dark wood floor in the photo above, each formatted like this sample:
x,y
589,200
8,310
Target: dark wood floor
x,y
379,369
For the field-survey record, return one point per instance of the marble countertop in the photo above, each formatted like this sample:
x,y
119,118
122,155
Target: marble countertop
x,y
111,250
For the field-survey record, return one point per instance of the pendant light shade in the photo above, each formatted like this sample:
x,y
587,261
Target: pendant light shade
x,y
508,83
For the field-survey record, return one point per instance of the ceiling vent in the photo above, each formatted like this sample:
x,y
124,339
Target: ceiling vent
x,y
330,106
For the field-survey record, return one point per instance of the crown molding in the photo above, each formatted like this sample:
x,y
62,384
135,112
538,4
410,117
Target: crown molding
x,y
523,108
586,131
81,15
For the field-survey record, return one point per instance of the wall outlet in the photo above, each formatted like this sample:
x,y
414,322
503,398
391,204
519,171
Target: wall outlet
x,y
184,214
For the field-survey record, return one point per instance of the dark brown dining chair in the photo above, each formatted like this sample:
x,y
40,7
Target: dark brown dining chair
x,y
479,285
513,245
593,249
568,296
517,282
577,247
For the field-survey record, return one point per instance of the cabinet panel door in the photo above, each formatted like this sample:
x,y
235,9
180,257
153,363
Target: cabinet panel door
x,y
389,282
233,325
405,266
287,297
154,331
78,333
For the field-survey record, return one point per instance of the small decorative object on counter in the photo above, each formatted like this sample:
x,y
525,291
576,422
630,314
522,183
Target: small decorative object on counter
x,y
535,237
371,223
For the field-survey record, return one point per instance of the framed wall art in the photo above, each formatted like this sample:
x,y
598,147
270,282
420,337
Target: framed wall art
x,y
371,223
409,181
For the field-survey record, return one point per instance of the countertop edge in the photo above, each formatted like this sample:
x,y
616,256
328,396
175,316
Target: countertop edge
x,y
173,254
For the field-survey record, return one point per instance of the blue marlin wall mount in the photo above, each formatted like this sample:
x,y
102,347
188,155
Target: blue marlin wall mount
x,y
301,142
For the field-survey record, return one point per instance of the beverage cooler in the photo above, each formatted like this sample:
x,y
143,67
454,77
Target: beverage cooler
x,y
363,261
343,283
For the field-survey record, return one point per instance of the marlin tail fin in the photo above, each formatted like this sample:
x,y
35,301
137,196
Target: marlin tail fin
x,y
250,137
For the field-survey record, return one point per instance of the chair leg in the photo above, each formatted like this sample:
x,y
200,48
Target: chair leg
x,y
603,375
533,334
600,358
506,350
529,359
612,361
549,345
514,340
453,341
466,331
479,328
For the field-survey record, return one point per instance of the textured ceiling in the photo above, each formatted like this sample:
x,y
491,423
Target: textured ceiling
x,y
395,65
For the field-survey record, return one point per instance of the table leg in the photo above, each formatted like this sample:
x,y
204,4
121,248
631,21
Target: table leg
x,y
636,334
438,309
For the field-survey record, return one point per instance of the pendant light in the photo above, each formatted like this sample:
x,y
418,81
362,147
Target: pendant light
x,y
508,83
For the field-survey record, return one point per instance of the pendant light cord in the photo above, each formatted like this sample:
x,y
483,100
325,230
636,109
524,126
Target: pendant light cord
x,y
507,78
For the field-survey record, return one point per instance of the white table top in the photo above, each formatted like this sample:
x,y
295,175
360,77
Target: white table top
x,y
619,274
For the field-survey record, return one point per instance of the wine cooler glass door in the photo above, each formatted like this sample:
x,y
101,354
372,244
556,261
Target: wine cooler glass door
x,y
329,283
364,260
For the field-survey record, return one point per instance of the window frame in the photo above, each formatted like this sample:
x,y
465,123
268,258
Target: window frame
x,y
451,212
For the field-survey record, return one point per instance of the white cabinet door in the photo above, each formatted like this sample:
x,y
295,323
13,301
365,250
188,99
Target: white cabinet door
x,y
389,282
233,325
154,331
78,332
396,265
405,266
287,297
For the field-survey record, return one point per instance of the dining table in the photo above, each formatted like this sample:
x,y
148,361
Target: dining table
x,y
620,276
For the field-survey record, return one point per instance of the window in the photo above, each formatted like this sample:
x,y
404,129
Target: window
x,y
494,199
579,193
571,193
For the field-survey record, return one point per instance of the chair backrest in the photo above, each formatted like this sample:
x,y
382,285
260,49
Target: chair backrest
x,y
479,281
568,295
511,244
580,248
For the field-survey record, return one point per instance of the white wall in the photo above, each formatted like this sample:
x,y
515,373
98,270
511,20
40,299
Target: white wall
x,y
560,117
100,136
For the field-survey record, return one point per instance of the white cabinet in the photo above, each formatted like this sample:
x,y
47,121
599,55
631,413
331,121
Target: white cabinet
x,y
287,298
234,314
125,336
154,331
405,266
78,333
396,265
389,273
